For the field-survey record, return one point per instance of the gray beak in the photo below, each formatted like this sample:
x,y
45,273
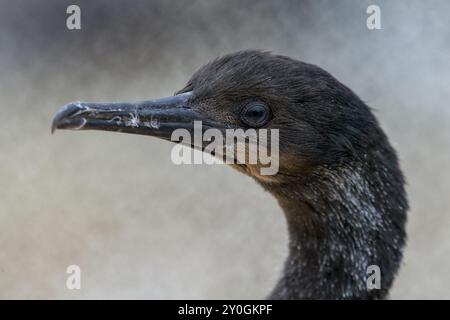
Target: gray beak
x,y
158,118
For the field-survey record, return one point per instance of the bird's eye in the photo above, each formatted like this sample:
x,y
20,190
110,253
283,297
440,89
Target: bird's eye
x,y
255,114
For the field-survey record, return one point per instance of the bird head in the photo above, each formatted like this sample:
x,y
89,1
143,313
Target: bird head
x,y
319,120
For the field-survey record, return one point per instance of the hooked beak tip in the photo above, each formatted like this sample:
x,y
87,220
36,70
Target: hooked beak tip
x,y
65,113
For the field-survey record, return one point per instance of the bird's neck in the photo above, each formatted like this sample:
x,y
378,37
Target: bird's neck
x,y
340,222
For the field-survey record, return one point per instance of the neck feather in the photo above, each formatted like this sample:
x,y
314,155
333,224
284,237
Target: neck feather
x,y
341,221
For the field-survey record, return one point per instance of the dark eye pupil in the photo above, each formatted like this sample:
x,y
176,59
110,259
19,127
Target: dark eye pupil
x,y
255,114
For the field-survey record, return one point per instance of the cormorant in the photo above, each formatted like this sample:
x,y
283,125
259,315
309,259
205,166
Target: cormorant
x,y
339,182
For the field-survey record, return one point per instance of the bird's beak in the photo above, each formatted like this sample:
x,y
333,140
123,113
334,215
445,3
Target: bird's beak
x,y
159,117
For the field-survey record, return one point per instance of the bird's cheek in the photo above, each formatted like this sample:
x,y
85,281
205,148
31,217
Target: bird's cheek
x,y
256,171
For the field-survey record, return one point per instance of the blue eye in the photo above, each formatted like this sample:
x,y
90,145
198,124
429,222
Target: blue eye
x,y
255,114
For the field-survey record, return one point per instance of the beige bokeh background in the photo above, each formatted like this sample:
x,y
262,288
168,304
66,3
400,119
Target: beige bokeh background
x,y
141,227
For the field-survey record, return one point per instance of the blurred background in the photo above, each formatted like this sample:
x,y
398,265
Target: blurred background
x,y
141,227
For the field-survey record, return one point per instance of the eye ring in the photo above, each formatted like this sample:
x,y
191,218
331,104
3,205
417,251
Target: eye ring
x,y
255,114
